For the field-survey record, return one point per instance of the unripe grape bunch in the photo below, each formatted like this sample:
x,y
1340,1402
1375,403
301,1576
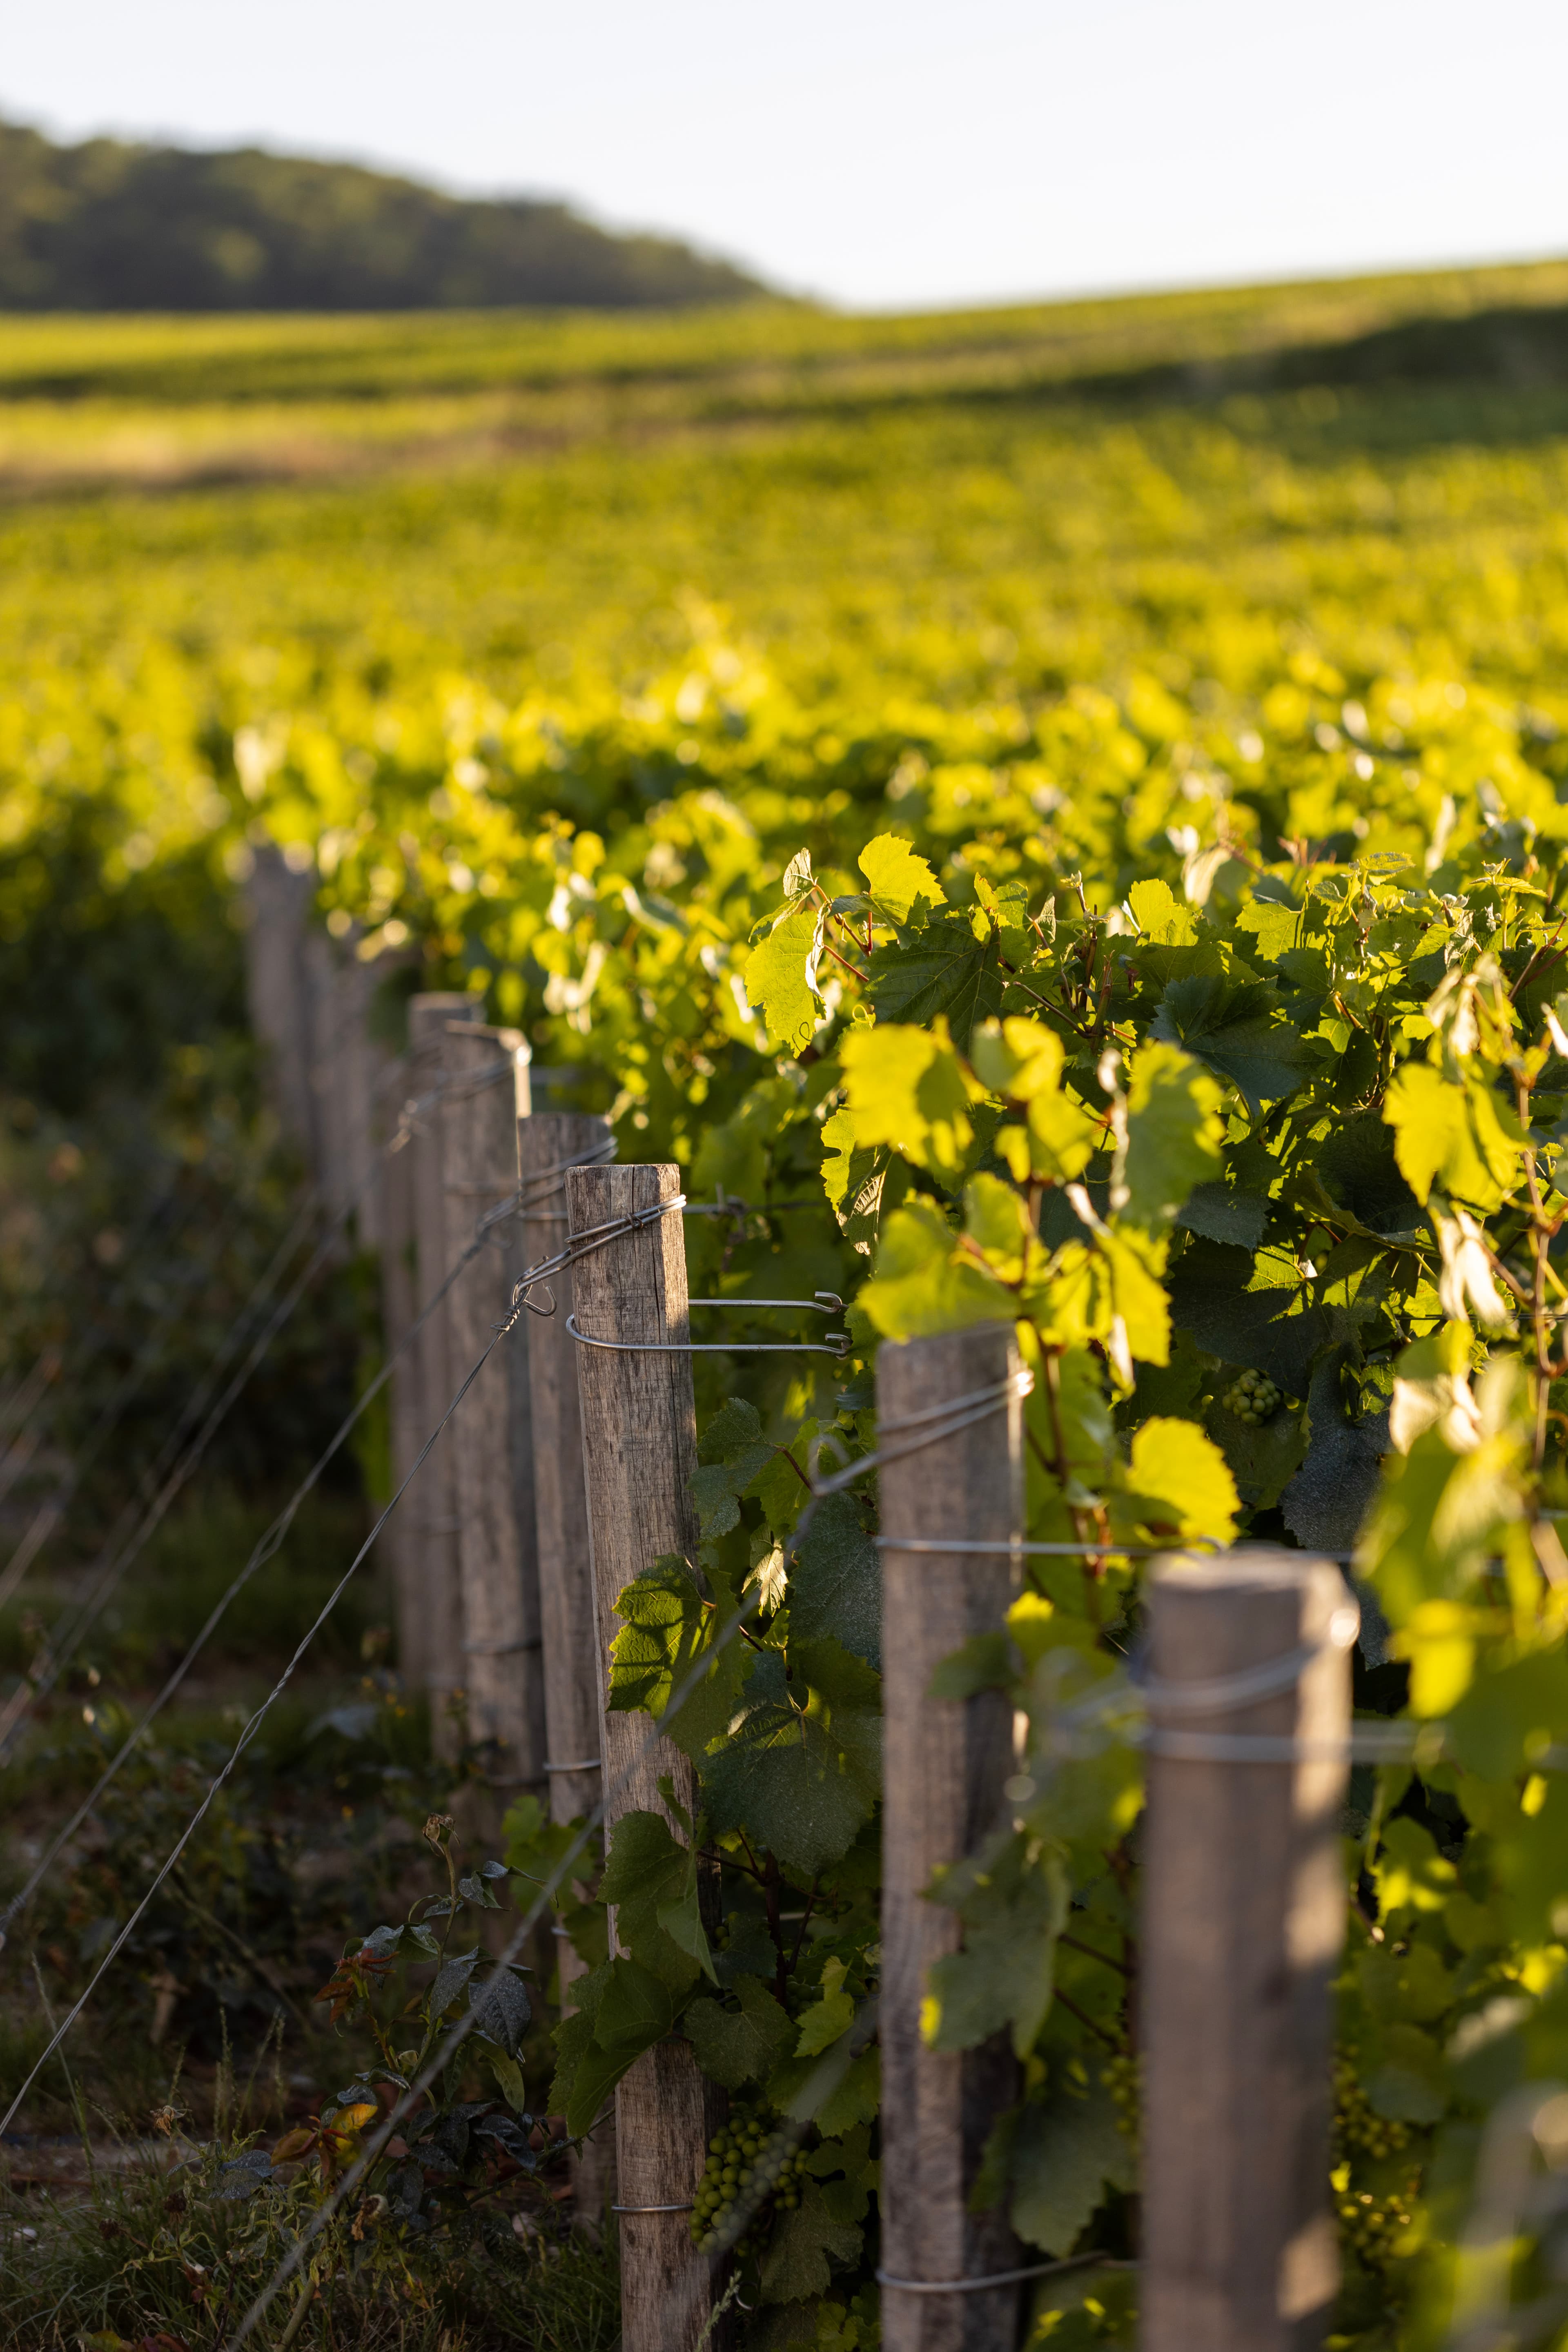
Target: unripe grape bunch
x,y
748,2158
1370,2225
1359,2129
1253,1398
1124,2078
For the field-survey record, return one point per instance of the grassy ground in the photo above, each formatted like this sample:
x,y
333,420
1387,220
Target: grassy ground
x,y
207,2036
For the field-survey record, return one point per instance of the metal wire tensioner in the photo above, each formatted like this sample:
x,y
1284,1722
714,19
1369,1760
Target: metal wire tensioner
x,y
825,1302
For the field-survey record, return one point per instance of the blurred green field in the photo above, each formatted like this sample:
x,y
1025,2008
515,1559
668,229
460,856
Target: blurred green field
x,y
162,400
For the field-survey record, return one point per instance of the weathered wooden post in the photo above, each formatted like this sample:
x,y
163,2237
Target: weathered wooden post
x,y
639,1452
395,1240
486,1078
547,1144
433,1500
1243,1919
945,1764
279,892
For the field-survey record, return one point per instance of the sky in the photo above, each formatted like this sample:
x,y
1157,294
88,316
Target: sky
x,y
884,153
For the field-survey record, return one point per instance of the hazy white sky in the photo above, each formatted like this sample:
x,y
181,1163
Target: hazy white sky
x,y
885,152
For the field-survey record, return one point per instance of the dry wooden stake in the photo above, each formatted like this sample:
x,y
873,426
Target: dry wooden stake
x,y
639,1452
487,1075
1243,1920
395,1240
945,1764
545,1143
431,1503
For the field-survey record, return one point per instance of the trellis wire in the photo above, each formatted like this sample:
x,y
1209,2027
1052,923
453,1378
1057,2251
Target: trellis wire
x,y
121,1551
51,1512
251,1727
266,1550
600,1238
26,1392
114,1565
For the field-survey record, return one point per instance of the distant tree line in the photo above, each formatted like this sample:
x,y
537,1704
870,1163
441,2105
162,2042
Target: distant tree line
x,y
111,227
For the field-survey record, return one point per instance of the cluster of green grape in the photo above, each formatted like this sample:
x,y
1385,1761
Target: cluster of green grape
x,y
1124,2078
1358,2130
1370,2224
1253,1397
746,2157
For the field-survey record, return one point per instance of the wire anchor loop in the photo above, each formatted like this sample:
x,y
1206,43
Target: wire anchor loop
x,y
826,1302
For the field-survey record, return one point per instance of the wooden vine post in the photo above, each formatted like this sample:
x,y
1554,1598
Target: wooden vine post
x,y
486,1075
546,1144
946,1763
399,1282
1243,1920
432,1499
639,1452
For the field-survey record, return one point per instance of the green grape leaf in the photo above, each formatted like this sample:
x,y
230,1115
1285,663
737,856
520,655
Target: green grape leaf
x,y
942,968
896,876
651,1879
829,2017
854,2097
734,1429
680,1917
854,1177
645,1862
781,976
573,2038
669,1628
922,1286
906,1086
1357,1166
1457,1136
1247,1310
635,2011
1403,2075
1161,916
735,2046
1221,1212
594,2078
1173,1133
1067,2152
835,1581
1262,1459
1179,1484
1234,1033
797,876
800,1780
1329,1498
802,2245
779,1485
1003,1975
1019,1058
1509,1715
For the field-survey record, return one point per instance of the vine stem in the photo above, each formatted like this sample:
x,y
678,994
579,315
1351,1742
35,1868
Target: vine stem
x,y
1541,1230
1084,2018
1089,1952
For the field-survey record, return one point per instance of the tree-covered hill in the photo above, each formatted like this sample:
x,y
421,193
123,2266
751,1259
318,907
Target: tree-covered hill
x,y
111,227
